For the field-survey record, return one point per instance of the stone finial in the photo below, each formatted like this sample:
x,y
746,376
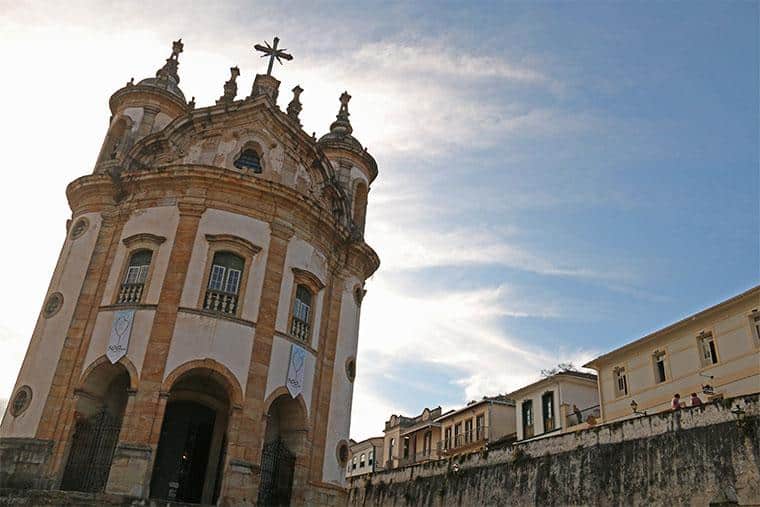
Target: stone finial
x,y
230,87
295,107
191,104
169,70
342,125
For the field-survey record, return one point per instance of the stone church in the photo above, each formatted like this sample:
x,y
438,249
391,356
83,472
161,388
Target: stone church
x,y
198,339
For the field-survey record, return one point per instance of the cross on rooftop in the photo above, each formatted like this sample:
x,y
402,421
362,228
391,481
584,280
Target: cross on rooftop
x,y
272,52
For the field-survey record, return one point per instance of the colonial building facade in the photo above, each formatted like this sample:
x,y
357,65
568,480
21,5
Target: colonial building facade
x,y
199,335
714,354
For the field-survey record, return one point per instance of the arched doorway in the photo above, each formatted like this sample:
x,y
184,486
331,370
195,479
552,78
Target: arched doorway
x,y
284,443
190,452
99,412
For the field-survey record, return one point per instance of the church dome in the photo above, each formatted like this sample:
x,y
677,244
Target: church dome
x,y
168,84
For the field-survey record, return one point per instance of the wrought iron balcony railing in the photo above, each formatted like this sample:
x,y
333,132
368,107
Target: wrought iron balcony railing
x,y
473,436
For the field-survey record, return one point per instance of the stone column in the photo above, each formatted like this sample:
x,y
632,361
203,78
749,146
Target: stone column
x,y
241,477
142,421
323,374
57,421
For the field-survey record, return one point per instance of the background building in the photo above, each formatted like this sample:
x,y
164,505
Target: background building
x,y
366,457
409,440
544,406
472,427
198,338
718,347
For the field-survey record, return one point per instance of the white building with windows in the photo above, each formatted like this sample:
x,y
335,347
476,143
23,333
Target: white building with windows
x,y
366,457
714,353
555,404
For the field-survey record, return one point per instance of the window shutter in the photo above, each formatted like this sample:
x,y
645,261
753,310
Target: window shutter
x,y
233,281
217,277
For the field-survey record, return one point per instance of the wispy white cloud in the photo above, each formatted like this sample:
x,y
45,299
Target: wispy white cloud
x,y
460,332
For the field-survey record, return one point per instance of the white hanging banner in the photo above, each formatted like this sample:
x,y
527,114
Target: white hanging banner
x,y
296,370
120,331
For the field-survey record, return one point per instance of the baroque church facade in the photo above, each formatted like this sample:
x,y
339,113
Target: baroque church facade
x,y
198,339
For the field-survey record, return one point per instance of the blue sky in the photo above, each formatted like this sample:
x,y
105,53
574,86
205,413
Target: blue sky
x,y
556,179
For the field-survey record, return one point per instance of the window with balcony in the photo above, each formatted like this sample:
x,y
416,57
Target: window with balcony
x,y
133,285
527,418
708,354
468,431
621,381
224,283
457,434
447,442
300,326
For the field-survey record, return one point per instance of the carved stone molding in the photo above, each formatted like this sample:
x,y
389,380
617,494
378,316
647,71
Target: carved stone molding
x,y
143,237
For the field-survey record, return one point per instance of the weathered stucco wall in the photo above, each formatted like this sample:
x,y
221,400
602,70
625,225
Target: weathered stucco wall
x,y
691,457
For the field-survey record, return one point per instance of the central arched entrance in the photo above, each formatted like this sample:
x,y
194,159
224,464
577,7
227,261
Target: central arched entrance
x,y
101,400
284,444
190,452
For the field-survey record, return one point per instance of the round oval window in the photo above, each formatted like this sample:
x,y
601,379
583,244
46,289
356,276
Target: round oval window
x,y
21,401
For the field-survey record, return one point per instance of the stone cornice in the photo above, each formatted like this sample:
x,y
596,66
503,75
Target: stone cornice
x,y
241,243
198,187
147,95
143,237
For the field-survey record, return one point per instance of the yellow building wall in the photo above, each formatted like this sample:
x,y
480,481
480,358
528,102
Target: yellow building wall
x,y
737,371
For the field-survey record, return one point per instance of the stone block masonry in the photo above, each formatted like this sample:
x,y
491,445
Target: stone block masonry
x,y
697,456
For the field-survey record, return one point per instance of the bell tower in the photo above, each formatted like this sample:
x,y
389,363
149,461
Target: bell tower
x,y
198,339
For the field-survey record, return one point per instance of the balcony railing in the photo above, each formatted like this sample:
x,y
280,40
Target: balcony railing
x,y
300,330
416,457
220,302
476,435
130,293
581,416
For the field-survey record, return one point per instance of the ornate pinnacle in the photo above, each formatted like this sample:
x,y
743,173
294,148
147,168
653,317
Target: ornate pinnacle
x,y
294,108
230,87
169,70
342,125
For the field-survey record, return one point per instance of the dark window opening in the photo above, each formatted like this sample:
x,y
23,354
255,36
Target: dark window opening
x,y
249,159
134,280
301,324
527,418
224,283
547,405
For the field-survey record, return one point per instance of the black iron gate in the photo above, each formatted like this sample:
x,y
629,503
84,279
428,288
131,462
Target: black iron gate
x,y
91,453
277,466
